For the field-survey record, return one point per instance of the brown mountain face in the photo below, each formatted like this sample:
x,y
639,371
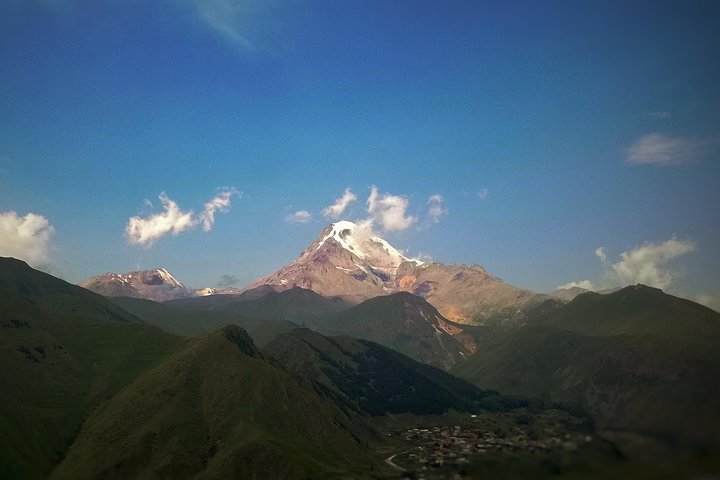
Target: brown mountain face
x,y
406,323
156,284
467,293
342,262
347,262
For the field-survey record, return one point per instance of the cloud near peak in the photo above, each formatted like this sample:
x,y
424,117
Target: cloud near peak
x,y
173,220
647,263
389,211
584,284
384,211
341,203
26,238
436,208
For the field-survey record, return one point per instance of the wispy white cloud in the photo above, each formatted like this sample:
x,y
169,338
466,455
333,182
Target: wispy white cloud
x,y
26,238
390,211
146,231
436,208
600,253
483,193
221,202
647,263
301,216
657,149
235,21
227,18
585,284
173,220
341,203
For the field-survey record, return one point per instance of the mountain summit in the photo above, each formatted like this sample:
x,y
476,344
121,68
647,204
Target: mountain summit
x,y
345,260
156,284
349,261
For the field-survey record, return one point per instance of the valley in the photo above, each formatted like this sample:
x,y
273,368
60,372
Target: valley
x,y
369,240
277,380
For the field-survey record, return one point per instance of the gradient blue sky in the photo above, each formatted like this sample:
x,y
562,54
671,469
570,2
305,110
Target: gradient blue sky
x,y
104,104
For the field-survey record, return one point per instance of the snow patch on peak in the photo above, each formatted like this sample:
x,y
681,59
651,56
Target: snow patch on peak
x,y
166,276
360,241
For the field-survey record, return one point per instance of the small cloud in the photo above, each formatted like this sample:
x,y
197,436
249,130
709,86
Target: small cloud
x,y
483,193
341,203
389,211
600,253
228,281
26,238
436,208
647,263
657,149
173,220
660,115
146,231
220,203
301,216
584,284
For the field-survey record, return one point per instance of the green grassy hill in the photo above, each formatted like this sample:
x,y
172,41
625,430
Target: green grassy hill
x,y
63,351
636,310
370,378
88,390
637,359
216,409
179,319
294,305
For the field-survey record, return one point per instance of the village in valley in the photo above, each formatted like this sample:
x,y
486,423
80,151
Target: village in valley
x,y
437,450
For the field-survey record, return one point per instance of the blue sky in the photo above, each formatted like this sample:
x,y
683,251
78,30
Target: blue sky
x,y
549,129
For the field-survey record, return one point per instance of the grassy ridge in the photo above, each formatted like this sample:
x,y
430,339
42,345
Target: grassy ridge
x,y
371,379
638,360
212,411
63,350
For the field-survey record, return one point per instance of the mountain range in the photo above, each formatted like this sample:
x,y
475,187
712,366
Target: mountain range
x,y
348,262
93,391
299,374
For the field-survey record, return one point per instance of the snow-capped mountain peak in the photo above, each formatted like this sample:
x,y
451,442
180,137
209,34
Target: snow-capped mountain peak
x,y
155,284
360,241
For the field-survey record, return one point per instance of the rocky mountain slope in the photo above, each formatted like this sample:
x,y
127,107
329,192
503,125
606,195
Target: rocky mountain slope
x,y
406,323
156,284
348,262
